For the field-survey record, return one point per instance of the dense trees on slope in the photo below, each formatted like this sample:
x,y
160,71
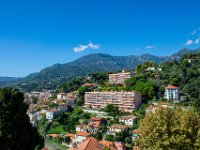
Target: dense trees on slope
x,y
170,129
16,131
63,122
184,73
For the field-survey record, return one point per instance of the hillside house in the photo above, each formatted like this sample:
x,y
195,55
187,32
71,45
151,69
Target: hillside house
x,y
81,128
116,128
95,124
51,114
80,136
128,120
171,93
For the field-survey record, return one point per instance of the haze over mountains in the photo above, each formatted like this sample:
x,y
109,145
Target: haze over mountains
x,y
52,76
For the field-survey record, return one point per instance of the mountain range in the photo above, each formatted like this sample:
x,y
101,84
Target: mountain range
x,y
53,76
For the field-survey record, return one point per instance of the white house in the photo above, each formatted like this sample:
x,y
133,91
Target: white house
x,y
80,136
171,93
128,120
50,114
116,128
81,128
60,95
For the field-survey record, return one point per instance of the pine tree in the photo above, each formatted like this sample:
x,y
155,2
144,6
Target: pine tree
x,y
16,131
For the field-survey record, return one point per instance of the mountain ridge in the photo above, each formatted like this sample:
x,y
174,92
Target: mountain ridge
x,y
52,76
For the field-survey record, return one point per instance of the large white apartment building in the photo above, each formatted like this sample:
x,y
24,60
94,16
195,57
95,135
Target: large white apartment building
x,y
126,101
119,78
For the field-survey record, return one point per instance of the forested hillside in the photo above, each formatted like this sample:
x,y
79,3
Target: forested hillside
x,y
184,74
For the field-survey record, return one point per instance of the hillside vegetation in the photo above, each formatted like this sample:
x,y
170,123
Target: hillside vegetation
x,y
184,74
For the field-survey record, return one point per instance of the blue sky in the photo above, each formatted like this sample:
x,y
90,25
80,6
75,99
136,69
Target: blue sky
x,y
39,33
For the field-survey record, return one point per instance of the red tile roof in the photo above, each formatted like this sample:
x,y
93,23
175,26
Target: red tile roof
x,y
88,144
85,134
70,135
96,119
53,135
171,87
137,131
119,126
96,124
87,84
128,117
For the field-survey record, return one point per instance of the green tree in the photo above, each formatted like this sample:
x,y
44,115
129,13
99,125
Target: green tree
x,y
112,110
16,131
68,140
109,137
170,129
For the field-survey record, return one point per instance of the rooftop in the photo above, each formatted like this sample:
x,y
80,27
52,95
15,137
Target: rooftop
x,y
88,144
53,135
52,110
128,117
137,131
171,87
87,84
118,126
80,133
70,135
96,118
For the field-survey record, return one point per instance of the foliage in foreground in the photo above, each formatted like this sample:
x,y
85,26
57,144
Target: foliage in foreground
x,y
170,129
16,131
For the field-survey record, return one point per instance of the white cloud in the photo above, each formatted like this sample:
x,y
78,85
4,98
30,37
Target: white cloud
x,y
189,42
193,32
150,46
197,41
84,47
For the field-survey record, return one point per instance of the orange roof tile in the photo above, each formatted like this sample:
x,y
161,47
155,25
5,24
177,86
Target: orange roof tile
x,y
171,87
53,135
96,119
128,117
89,144
70,135
87,84
119,126
96,125
137,131
80,133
